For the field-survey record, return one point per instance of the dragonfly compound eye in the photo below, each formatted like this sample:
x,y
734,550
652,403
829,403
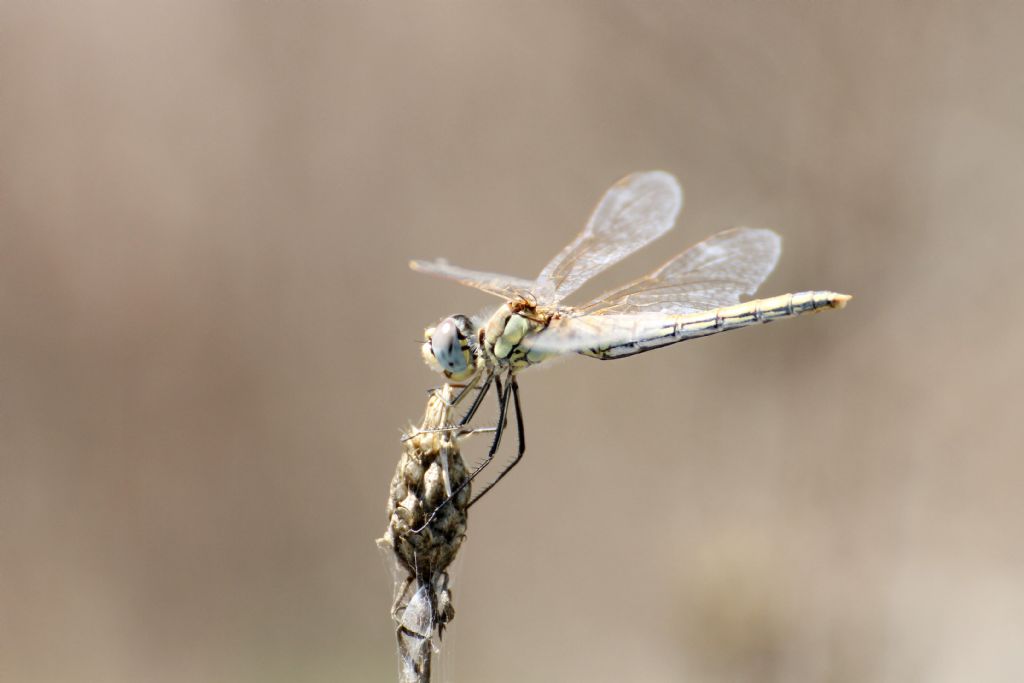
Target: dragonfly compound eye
x,y
446,345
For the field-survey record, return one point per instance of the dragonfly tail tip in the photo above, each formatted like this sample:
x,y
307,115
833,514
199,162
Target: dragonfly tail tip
x,y
840,300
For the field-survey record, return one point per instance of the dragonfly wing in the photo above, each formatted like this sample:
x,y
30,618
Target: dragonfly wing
x,y
635,211
710,274
504,286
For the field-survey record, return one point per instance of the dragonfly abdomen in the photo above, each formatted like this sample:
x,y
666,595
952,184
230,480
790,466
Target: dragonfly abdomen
x,y
693,325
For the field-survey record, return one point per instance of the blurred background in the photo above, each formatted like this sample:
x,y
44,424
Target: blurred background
x,y
209,338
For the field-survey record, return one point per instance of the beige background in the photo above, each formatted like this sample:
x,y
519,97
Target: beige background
x,y
208,338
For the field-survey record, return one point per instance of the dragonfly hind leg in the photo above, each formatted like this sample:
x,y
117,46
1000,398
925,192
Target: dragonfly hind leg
x,y
513,384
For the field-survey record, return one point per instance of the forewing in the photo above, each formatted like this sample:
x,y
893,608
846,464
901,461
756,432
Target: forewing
x,y
635,211
712,273
504,286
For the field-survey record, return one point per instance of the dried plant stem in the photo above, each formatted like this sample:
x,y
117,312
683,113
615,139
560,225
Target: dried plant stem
x,y
429,470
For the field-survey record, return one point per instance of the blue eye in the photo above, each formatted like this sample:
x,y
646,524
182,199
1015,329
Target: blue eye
x,y
446,345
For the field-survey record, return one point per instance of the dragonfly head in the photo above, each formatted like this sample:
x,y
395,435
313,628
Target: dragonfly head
x,y
448,348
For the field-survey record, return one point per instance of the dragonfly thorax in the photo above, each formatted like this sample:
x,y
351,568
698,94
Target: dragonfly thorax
x,y
502,338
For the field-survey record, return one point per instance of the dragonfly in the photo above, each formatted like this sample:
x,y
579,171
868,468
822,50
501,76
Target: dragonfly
x,y
695,294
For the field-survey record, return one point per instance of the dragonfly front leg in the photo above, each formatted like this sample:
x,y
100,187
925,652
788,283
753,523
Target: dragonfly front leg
x,y
521,433
463,390
460,427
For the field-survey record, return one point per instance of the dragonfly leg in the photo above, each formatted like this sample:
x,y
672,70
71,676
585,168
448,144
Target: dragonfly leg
x,y
521,433
479,397
465,388
503,398
455,401
461,431
476,430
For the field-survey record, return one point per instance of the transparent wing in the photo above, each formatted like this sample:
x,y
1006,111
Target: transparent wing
x,y
635,211
504,286
712,273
